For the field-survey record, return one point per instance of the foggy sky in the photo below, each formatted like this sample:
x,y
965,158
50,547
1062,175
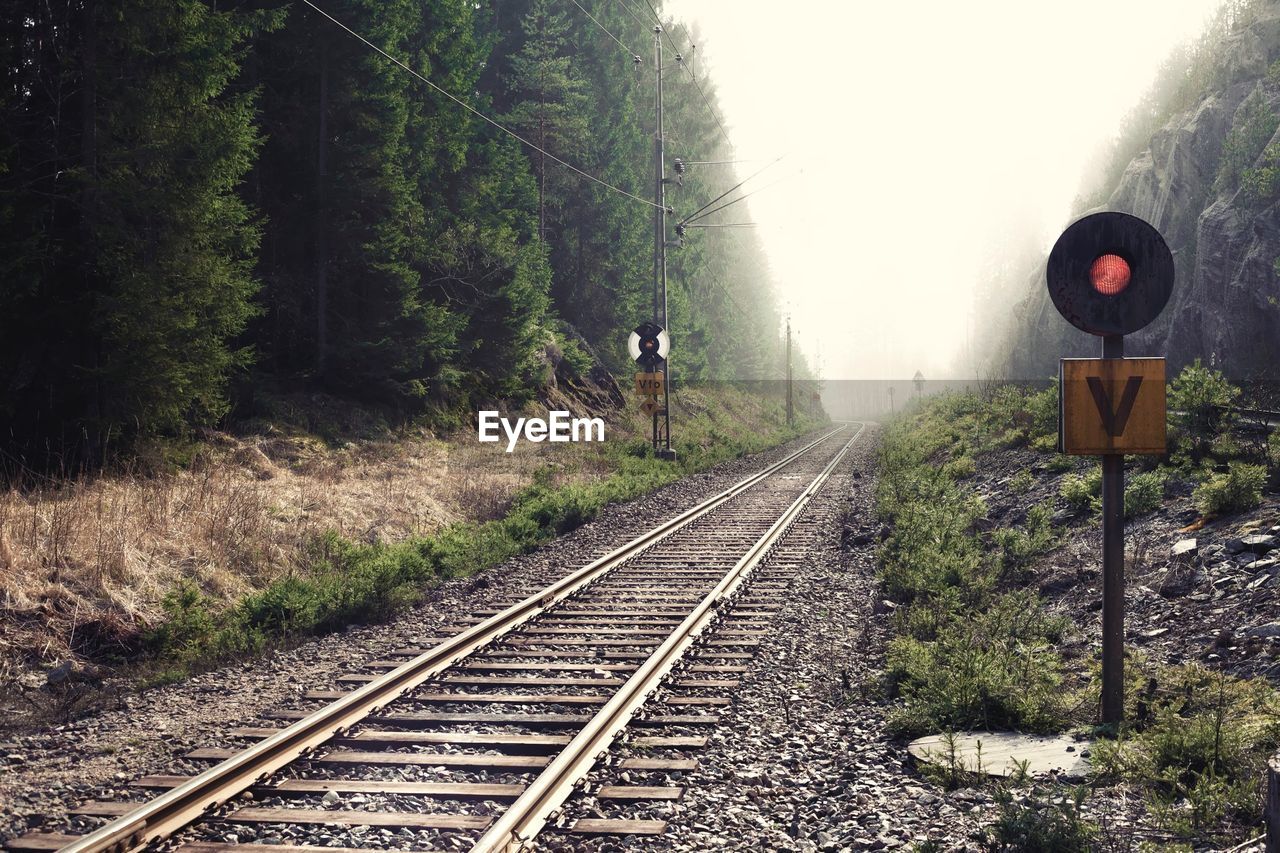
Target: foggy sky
x,y
923,136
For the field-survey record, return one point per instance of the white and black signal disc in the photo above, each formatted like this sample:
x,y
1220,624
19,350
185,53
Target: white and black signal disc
x,y
648,344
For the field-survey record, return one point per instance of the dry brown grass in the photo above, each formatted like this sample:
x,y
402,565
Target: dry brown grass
x,y
84,563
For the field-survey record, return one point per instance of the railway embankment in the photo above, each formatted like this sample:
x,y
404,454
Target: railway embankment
x,y
256,539
990,585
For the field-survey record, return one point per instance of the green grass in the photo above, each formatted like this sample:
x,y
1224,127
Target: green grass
x,y
1236,490
1198,743
1021,482
1018,546
1083,493
1046,819
1144,493
989,668
345,582
967,654
974,650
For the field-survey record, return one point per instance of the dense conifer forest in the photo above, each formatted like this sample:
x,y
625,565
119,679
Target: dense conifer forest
x,y
207,204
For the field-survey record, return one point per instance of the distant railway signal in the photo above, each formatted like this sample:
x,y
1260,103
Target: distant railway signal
x,y
648,345
1110,274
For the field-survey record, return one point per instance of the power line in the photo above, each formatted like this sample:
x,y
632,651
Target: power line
x,y
657,19
691,216
641,21
479,114
707,102
724,224
686,223
697,85
634,56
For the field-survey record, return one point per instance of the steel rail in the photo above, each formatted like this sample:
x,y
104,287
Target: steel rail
x,y
161,817
542,799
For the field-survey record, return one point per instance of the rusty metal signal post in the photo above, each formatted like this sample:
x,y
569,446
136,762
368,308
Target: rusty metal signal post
x,y
1110,274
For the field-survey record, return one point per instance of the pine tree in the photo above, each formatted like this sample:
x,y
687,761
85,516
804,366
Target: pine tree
x,y
121,310
548,100
347,180
407,251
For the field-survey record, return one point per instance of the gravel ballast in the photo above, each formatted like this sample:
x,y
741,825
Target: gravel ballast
x,y
45,772
800,760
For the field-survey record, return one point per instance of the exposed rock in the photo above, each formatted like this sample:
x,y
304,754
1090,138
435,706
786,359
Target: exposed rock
x,y
71,672
1259,543
1224,245
1265,566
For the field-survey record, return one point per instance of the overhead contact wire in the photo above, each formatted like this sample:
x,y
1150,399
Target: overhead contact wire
x,y
641,21
675,48
695,215
695,218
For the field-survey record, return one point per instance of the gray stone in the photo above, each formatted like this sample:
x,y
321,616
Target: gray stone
x,y
1258,580
1259,543
1002,753
1184,550
1271,629
71,672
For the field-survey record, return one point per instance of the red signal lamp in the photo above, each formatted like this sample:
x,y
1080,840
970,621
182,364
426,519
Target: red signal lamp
x,y
1110,274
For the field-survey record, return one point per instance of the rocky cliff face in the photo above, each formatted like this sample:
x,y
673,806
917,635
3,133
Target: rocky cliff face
x,y
1225,307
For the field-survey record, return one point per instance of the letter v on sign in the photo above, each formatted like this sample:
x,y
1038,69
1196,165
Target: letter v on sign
x,y
1112,405
1113,421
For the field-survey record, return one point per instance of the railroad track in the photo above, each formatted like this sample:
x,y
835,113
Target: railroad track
x,y
476,740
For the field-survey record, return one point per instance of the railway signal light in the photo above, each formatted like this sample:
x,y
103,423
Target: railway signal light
x,y
648,344
1110,274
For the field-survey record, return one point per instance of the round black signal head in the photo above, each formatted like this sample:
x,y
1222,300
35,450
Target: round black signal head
x,y
648,345
1110,273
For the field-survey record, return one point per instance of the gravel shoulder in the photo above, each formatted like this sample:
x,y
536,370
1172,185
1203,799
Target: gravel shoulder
x,y
801,760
